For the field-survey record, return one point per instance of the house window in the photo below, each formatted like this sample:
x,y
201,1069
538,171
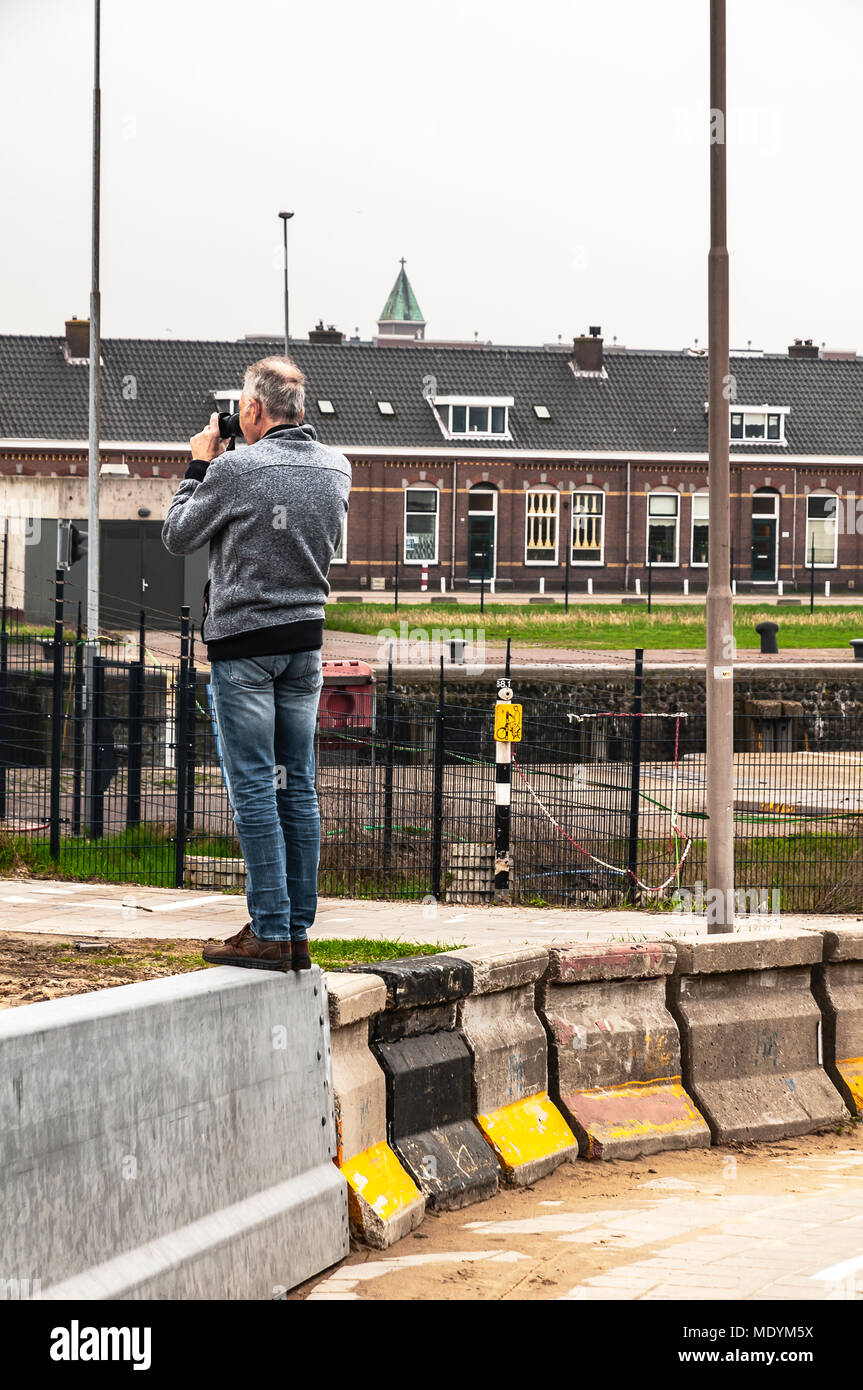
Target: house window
x,y
540,545
700,528
758,426
340,554
663,518
227,402
821,530
588,528
477,419
421,525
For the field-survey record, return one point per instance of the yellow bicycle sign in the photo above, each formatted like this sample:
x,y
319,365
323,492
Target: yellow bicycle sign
x,y
507,722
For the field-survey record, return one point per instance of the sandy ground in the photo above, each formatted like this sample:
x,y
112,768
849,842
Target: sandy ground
x,y
729,1211
33,969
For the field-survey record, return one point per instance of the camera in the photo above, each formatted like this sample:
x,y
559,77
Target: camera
x,y
229,427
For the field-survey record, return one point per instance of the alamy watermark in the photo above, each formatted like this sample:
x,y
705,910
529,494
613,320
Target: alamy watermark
x,y
760,906
422,646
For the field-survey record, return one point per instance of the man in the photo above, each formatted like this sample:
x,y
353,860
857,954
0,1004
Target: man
x,y
273,516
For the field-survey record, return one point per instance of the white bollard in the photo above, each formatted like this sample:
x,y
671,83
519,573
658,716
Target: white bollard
x,y
491,586
734,588
780,590
826,588
589,585
443,583
637,585
542,583
686,588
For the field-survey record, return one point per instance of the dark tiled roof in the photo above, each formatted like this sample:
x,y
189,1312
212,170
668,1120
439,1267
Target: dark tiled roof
x,y
160,391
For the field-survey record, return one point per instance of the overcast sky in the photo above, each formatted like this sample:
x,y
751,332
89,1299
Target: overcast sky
x,y
542,166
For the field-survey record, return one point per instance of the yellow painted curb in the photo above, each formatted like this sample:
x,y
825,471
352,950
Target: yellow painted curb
x,y
527,1130
377,1176
851,1071
655,1109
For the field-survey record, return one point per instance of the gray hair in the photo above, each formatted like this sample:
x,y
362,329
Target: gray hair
x,y
279,385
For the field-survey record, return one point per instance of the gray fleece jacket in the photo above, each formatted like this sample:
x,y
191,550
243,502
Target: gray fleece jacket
x,y
272,514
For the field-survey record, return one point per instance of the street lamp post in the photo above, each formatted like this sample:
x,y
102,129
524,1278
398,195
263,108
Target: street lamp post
x,y
719,675
286,217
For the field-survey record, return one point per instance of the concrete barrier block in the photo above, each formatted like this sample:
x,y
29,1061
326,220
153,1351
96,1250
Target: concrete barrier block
x,y
509,1054
751,1035
171,1139
614,1054
427,1067
838,988
384,1203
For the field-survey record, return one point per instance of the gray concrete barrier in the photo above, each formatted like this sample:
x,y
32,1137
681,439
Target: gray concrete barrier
x,y
751,1035
838,987
171,1139
509,1055
427,1067
614,1056
384,1203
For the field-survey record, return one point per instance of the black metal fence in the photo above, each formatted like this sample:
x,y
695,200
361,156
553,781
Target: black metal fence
x,y
109,769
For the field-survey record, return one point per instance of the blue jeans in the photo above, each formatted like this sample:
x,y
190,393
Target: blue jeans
x,y
264,712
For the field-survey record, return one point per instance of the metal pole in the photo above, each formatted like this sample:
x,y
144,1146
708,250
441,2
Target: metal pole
x,y
388,764
95,352
649,580
396,582
286,216
632,892
180,747
56,718
135,738
812,576
91,753
720,604
437,792
78,725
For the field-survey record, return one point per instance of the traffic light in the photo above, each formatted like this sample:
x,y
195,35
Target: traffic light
x,y
71,544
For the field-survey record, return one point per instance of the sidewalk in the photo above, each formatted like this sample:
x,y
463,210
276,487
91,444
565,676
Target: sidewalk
x,y
121,911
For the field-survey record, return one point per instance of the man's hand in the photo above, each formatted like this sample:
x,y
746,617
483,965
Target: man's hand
x,y
207,445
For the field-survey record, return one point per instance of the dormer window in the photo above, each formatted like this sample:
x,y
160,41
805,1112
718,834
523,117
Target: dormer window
x,y
480,417
762,426
228,402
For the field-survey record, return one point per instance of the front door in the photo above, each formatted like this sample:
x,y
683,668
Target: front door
x,y
764,550
480,547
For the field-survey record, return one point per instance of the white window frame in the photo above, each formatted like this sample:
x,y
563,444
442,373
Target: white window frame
x,y
228,402
485,401
343,544
823,564
421,487
546,490
580,492
761,412
662,564
703,495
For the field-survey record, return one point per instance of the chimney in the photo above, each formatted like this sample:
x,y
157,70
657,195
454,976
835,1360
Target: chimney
x,y
319,334
77,345
804,348
587,351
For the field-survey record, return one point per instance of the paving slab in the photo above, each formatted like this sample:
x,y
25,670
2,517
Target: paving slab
x,y
120,911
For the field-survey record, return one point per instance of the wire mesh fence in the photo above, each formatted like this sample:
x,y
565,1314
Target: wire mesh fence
x,y
109,769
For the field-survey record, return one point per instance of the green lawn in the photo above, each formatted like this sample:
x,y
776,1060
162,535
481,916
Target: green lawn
x,y
609,627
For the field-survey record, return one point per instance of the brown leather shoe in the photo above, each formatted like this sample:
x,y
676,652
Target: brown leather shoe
x,y
249,950
300,956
